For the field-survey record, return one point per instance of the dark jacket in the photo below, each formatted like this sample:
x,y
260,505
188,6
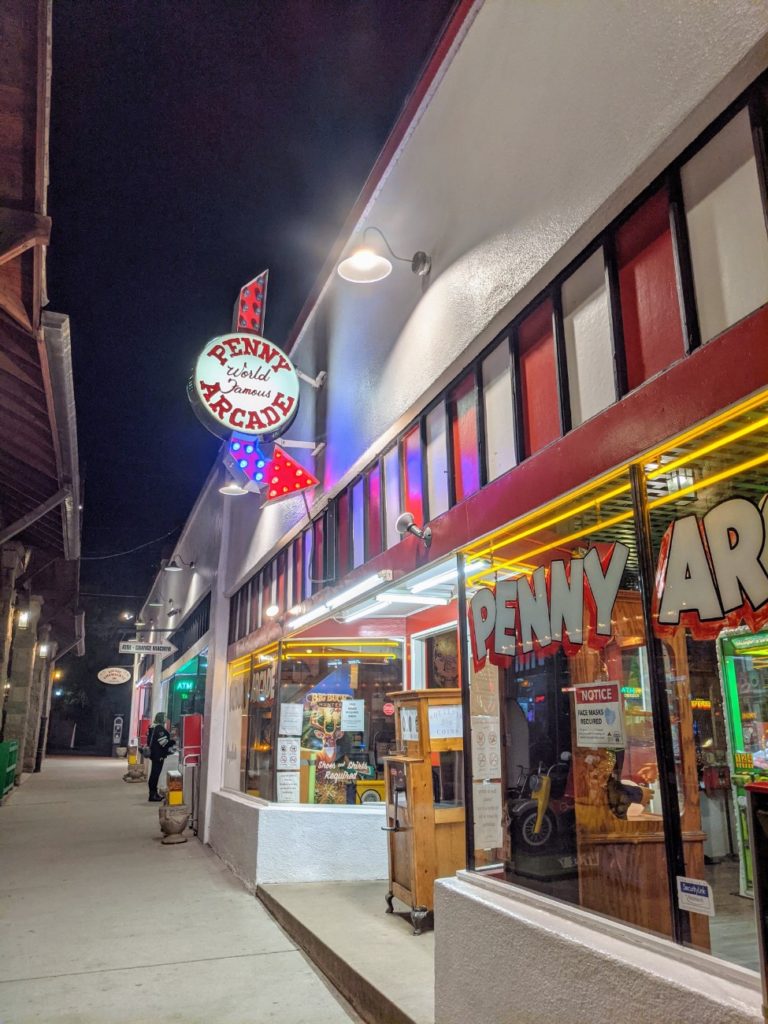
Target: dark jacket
x,y
159,742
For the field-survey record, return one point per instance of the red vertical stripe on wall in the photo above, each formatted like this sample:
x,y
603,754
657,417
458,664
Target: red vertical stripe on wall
x,y
650,310
462,406
538,379
412,466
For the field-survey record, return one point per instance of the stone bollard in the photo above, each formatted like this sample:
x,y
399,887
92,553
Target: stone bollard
x,y
135,771
173,821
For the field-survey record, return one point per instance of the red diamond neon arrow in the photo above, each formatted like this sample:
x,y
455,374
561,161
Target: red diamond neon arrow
x,y
251,305
285,477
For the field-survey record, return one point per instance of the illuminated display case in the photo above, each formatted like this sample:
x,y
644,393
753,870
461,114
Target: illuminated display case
x,y
425,798
743,660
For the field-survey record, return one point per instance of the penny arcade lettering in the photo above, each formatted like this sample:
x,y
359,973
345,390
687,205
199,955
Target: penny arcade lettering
x,y
255,369
712,572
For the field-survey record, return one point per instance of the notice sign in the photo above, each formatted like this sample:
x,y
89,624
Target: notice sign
x,y
487,815
598,715
695,894
486,747
353,715
288,788
291,719
288,753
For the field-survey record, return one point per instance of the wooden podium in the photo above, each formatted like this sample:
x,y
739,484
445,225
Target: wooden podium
x,y
424,797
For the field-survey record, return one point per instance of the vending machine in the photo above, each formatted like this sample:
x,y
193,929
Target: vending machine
x,y
743,660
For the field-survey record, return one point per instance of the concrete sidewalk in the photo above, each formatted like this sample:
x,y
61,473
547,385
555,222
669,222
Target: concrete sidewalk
x,y
101,923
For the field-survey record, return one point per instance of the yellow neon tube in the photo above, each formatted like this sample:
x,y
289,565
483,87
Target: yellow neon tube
x,y
479,549
603,524
750,428
709,480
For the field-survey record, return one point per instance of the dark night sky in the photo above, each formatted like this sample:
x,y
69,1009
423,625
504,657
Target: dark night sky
x,y
193,144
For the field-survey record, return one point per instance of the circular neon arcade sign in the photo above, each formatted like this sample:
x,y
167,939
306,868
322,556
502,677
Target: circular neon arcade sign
x,y
244,383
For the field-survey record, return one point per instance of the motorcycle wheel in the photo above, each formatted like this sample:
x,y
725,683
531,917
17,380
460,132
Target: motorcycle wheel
x,y
536,839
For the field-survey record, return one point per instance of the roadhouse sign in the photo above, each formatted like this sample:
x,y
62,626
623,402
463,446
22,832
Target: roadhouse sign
x,y
247,384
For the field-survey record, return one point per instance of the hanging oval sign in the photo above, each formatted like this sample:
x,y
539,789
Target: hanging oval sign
x,y
114,676
244,383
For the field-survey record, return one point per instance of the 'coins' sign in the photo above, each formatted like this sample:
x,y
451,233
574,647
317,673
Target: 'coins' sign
x,y
247,384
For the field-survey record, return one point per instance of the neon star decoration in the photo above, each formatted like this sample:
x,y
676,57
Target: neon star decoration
x,y
286,477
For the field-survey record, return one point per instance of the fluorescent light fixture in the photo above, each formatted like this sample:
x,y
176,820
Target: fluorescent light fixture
x,y
374,607
357,589
412,599
157,604
304,620
449,575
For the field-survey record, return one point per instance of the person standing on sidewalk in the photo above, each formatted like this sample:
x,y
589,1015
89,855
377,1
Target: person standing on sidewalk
x,y
160,746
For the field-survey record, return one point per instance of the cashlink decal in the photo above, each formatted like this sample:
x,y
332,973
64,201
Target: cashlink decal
x,y
713,571
545,611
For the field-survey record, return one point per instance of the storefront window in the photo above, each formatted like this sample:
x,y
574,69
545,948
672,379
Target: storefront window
x,y
186,691
498,410
565,772
437,460
236,723
726,226
650,308
335,722
249,710
710,608
462,408
588,344
392,495
538,378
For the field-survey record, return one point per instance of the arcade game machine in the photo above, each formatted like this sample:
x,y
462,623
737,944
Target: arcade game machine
x,y
743,660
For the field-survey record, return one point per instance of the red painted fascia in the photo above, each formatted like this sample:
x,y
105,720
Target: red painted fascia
x,y
721,373
403,123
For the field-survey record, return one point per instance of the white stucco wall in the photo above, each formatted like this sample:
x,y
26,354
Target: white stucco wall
x,y
265,843
525,958
233,834
548,119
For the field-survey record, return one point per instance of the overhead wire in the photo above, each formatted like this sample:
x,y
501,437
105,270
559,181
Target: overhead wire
x,y
128,551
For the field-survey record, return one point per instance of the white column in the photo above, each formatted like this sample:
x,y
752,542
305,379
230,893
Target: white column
x,y
216,683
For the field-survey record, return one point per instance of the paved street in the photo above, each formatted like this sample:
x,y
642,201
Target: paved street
x,y
101,923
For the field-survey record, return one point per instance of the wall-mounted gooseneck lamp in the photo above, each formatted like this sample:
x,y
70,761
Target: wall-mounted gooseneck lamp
x,y
365,265
407,524
177,564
